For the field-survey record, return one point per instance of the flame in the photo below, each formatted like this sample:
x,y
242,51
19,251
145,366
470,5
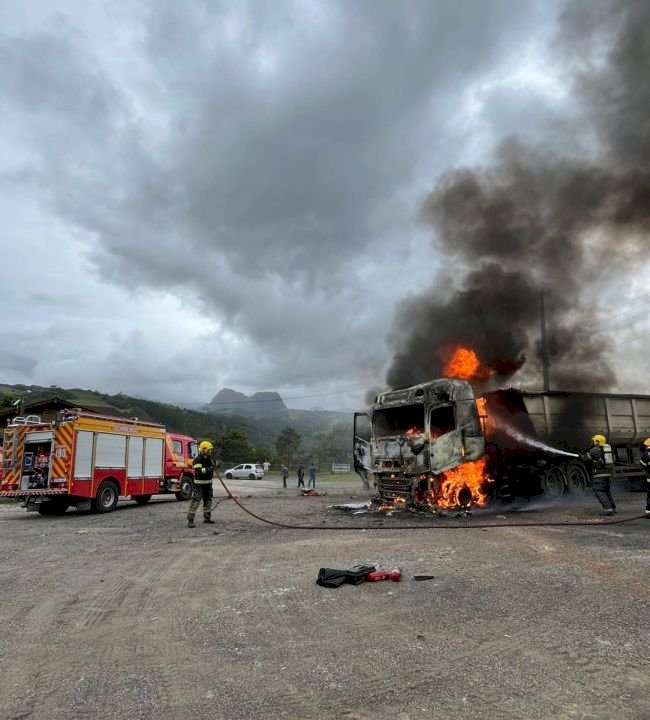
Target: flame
x,y
459,488
392,505
464,364
463,486
412,431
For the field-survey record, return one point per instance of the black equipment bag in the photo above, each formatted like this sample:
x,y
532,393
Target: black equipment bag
x,y
328,577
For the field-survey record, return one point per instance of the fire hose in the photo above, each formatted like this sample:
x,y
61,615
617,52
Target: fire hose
x,y
446,526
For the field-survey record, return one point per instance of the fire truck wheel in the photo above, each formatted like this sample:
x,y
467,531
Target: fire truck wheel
x,y
553,483
106,498
187,488
142,499
54,507
577,479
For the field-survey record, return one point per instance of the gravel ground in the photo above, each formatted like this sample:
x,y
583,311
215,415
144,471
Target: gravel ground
x,y
133,615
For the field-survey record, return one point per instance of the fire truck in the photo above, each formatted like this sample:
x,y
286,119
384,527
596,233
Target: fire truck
x,y
89,461
441,444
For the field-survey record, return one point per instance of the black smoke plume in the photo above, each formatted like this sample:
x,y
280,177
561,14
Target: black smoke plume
x,y
542,219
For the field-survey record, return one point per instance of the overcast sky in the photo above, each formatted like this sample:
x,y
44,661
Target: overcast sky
x,y
205,194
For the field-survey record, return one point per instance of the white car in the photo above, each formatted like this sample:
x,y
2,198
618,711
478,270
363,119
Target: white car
x,y
246,470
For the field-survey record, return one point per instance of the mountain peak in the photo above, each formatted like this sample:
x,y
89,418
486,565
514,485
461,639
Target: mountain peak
x,y
259,404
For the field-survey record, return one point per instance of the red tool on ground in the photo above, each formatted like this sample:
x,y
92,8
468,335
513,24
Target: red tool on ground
x,y
395,575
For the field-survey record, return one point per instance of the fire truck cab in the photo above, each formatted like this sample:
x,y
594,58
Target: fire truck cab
x,y
90,461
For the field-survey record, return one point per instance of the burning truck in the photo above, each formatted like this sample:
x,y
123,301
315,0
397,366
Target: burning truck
x,y
442,445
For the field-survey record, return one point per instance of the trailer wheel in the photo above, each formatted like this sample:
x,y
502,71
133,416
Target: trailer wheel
x,y
142,499
53,507
106,498
577,479
187,487
553,483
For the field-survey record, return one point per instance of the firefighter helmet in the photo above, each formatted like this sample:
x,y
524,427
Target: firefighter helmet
x,y
205,447
599,440
646,442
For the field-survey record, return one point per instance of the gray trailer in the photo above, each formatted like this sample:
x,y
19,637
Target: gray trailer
x,y
567,421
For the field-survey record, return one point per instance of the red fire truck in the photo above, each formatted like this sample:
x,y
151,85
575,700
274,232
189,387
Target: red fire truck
x,y
90,461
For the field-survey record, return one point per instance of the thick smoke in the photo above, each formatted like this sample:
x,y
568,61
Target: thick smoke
x,y
544,220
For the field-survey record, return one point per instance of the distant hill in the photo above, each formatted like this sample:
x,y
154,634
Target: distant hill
x,y
261,416
261,404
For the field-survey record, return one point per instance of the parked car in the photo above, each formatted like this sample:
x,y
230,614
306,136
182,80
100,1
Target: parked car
x,y
245,470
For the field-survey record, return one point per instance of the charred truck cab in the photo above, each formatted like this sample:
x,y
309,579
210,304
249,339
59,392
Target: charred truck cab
x,y
411,437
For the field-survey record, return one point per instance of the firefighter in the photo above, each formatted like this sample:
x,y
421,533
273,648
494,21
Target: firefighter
x,y
600,462
203,474
645,464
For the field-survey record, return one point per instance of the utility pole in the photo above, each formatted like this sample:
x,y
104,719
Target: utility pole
x,y
544,342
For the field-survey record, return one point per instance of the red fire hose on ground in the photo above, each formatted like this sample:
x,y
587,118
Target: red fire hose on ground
x,y
446,526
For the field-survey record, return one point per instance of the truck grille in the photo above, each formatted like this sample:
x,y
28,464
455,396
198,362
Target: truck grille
x,y
397,487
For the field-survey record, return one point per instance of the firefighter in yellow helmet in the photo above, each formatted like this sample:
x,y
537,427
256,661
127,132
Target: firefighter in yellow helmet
x,y
600,461
203,473
645,464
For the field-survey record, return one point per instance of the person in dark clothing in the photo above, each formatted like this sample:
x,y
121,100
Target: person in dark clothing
x,y
600,463
645,464
285,475
203,474
300,471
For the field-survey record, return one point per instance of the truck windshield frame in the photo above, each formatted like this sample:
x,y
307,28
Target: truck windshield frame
x,y
399,420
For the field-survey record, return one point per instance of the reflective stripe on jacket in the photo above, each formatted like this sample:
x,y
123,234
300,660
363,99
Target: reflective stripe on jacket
x,y
203,470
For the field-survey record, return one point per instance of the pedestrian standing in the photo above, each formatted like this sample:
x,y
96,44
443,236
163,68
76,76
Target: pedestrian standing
x,y
645,464
285,475
601,465
266,466
312,476
300,471
203,474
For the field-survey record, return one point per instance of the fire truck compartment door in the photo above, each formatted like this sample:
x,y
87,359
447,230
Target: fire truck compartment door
x,y
446,452
84,454
361,442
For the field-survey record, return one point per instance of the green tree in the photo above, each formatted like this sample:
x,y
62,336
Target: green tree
x,y
235,446
288,445
6,400
334,445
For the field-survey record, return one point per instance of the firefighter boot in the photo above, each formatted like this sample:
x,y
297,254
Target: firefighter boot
x,y
190,523
208,520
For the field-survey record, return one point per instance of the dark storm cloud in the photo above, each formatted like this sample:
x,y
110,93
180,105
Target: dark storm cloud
x,y
252,150
536,220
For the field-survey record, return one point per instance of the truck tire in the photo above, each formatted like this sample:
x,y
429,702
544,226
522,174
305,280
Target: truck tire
x,y
553,483
53,507
141,499
577,478
187,488
106,498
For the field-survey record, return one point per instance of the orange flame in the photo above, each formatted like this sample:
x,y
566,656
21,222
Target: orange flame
x,y
459,488
463,486
464,364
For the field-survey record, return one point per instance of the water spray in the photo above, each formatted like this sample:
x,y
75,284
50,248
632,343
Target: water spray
x,y
536,443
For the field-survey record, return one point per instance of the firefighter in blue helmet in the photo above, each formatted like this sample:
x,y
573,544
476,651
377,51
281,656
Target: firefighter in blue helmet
x,y
601,464
203,474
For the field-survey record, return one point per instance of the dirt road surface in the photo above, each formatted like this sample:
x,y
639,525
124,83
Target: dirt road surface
x,y
133,615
